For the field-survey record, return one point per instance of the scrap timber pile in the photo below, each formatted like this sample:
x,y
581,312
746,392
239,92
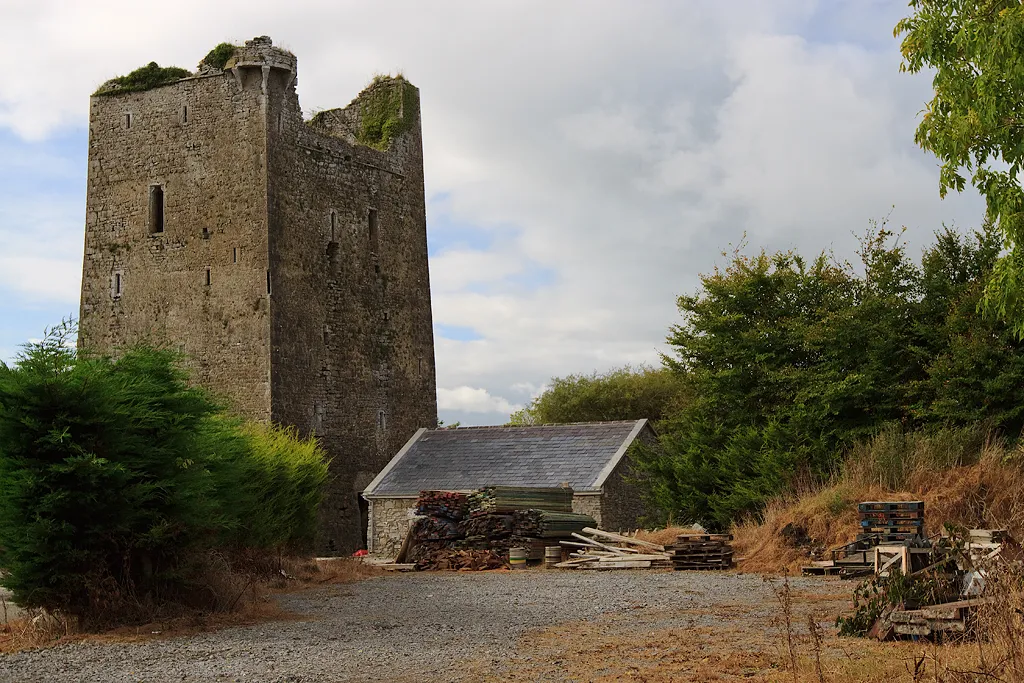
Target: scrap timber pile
x,y
702,551
596,549
476,530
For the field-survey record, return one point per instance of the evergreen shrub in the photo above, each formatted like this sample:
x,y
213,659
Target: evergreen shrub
x,y
117,477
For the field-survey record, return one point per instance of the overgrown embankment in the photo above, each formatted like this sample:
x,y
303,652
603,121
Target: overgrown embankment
x,y
968,477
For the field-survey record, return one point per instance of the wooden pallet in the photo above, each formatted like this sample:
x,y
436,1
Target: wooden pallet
x,y
887,505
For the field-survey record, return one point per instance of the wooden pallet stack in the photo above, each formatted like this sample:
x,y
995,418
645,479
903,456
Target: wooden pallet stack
x,y
945,618
891,521
702,551
599,550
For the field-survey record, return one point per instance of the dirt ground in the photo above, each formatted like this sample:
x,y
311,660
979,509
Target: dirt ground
x,y
535,625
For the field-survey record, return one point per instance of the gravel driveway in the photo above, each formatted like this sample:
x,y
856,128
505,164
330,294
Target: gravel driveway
x,y
406,627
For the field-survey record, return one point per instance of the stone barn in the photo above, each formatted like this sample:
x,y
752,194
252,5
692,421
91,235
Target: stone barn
x,y
593,458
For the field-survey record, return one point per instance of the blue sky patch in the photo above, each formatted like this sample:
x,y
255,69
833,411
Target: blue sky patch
x,y
456,332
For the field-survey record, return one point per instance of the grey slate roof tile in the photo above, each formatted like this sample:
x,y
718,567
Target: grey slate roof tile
x,y
470,458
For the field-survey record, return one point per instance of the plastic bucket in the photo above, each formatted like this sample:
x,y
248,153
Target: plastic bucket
x,y
517,557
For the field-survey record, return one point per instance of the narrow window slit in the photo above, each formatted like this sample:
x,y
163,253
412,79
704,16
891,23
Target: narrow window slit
x,y
156,209
234,255
184,113
374,232
268,282
128,120
207,276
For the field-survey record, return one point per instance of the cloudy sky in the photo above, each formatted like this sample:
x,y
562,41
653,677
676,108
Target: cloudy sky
x,y
585,161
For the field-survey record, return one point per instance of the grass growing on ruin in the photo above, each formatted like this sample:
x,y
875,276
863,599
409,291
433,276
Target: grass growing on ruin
x,y
219,56
144,78
387,110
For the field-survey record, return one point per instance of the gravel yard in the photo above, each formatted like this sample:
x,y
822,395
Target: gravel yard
x,y
429,627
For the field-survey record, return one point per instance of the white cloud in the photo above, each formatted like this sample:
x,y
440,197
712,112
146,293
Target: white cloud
x,y
472,400
627,145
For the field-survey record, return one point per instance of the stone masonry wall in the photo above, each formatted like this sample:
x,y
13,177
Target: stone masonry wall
x,y
352,339
202,140
390,519
624,508
588,505
292,268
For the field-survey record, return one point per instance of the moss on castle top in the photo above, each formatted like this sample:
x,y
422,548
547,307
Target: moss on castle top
x,y
144,78
387,110
219,56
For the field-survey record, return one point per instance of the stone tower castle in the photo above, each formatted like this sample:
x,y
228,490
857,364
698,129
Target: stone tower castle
x,y
286,258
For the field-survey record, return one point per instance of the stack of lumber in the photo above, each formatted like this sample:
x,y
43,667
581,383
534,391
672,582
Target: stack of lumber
x,y
450,504
891,521
506,499
436,528
702,551
949,617
596,549
547,524
488,526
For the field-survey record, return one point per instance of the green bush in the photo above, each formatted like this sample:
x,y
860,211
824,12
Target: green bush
x,y
219,56
144,78
116,475
789,364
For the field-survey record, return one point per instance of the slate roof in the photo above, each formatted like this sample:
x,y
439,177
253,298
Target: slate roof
x,y
464,459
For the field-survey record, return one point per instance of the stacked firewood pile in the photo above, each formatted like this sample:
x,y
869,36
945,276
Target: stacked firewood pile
x,y
474,531
596,549
446,504
702,551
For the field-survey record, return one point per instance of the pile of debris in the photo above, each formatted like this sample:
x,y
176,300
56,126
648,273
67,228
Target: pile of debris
x,y
887,528
928,586
702,551
596,549
476,530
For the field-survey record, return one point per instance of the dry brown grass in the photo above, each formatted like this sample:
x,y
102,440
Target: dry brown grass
x,y
665,537
247,599
986,494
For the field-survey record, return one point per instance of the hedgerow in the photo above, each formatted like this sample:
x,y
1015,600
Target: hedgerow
x,y
117,478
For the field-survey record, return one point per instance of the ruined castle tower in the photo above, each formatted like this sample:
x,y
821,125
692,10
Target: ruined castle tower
x,y
286,258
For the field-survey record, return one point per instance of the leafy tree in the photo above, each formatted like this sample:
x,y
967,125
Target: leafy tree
x,y
973,123
116,475
791,363
622,394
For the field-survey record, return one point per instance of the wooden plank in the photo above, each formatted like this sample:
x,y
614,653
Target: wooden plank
x,y
634,558
941,612
640,564
623,539
398,567
575,563
907,616
602,545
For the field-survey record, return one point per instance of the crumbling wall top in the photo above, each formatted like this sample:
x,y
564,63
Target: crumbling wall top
x,y
260,51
